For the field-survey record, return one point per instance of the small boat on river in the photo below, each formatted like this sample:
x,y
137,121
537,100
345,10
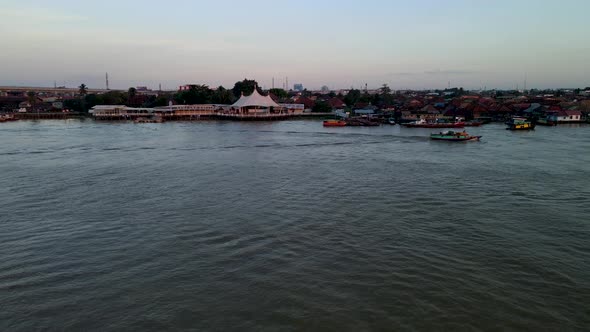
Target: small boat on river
x,y
453,136
425,124
362,122
518,123
334,123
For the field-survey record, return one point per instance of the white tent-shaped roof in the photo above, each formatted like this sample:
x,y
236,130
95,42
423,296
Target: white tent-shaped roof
x,y
255,99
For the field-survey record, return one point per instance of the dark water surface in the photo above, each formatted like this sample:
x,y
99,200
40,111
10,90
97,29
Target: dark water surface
x,y
289,226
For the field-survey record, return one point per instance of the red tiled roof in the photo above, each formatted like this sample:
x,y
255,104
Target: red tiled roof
x,y
570,113
336,103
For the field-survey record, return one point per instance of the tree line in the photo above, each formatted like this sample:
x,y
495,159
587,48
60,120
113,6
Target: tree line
x,y
195,94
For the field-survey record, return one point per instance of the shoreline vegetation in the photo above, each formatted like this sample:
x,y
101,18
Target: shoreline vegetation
x,y
548,107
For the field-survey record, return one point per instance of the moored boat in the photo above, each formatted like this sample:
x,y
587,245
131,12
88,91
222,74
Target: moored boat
x,y
391,121
519,123
334,123
7,117
453,136
425,124
361,122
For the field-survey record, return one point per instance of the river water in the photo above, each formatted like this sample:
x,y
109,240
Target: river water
x,y
289,226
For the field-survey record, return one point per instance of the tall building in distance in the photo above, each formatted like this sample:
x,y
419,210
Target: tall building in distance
x,y
298,87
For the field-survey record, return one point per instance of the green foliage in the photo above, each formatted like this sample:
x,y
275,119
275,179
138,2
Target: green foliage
x,y
161,100
82,89
352,97
32,97
280,93
246,87
74,105
113,98
132,92
222,96
197,94
321,107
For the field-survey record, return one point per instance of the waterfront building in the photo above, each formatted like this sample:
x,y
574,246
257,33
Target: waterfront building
x,y
255,103
565,116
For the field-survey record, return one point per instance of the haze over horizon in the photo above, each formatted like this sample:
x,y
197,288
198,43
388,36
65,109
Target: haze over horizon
x,y
419,45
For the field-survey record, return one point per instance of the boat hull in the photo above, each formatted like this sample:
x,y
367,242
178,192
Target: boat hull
x,y
527,126
334,123
434,125
455,139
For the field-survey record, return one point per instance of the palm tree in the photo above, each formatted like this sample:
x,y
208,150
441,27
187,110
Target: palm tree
x,y
82,89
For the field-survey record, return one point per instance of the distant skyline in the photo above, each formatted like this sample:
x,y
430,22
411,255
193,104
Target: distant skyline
x,y
423,44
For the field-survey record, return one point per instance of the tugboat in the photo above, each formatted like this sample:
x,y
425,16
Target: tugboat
x,y
334,123
454,136
519,123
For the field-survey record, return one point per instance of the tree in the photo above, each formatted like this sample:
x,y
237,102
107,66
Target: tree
x,y
222,96
245,87
132,92
352,97
384,90
280,93
32,98
73,105
196,94
112,98
82,89
321,106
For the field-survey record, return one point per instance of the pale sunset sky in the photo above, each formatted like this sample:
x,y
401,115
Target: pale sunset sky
x,y
419,44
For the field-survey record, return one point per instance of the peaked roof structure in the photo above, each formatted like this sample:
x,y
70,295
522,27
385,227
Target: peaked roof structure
x,y
255,99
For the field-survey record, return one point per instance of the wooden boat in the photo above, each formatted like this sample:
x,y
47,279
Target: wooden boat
x,y
361,122
424,124
391,121
7,117
334,123
453,136
518,123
